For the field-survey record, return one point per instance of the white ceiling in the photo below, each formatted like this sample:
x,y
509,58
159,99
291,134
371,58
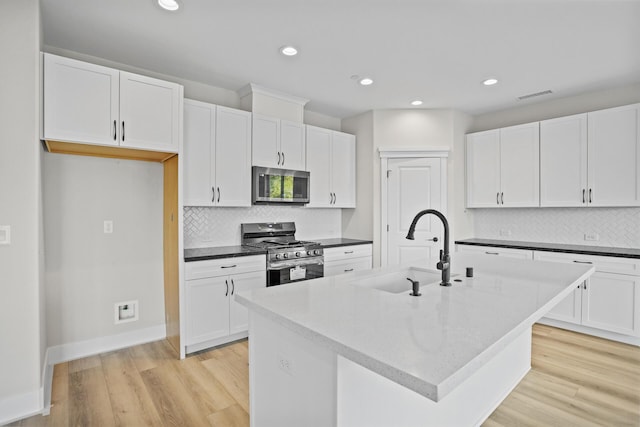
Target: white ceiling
x,y
436,50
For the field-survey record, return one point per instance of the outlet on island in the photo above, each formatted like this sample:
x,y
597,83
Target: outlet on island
x,y
591,237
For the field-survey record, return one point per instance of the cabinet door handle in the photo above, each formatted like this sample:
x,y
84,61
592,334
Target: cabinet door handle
x,y
229,266
123,131
502,198
213,198
335,198
590,199
498,198
278,157
435,239
492,253
584,285
330,198
582,262
233,287
218,194
226,282
115,130
283,158
584,200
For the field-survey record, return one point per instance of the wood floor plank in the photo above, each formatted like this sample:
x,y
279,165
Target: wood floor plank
x,y
171,399
233,416
234,376
130,400
89,403
59,413
86,363
152,355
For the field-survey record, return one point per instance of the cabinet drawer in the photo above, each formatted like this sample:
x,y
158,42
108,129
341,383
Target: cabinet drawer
x,y
224,266
601,263
347,252
488,250
346,266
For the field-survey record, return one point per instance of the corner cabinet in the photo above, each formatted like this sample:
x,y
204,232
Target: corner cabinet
x,y
278,143
503,167
331,162
212,315
91,104
217,155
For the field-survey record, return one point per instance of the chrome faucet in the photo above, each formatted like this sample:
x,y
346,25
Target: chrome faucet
x,y
445,260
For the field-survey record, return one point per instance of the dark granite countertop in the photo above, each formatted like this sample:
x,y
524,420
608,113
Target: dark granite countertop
x,y
554,247
215,252
200,254
337,242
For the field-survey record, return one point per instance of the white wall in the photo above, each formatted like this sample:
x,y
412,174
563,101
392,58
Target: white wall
x,y
88,271
21,352
616,226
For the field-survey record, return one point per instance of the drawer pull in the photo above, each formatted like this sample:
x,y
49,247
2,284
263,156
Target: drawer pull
x,y
348,252
229,266
582,262
348,270
492,253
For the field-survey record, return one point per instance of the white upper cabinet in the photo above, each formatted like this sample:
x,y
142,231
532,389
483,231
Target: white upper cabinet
x,y
591,159
614,156
503,167
331,162
217,154
91,104
149,113
278,143
563,161
80,101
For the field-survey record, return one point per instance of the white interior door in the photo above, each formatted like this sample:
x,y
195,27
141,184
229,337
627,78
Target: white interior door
x,y
413,185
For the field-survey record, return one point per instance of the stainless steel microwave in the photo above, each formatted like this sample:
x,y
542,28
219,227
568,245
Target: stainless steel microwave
x,y
279,186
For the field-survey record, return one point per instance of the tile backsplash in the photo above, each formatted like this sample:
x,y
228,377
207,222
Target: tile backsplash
x,y
206,226
615,227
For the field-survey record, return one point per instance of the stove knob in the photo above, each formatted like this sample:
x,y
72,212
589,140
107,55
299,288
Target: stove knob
x,y
316,252
285,256
277,256
309,252
298,254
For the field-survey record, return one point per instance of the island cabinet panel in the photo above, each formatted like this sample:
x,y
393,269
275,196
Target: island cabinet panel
x,y
217,155
278,143
503,167
331,161
609,300
213,316
346,259
90,104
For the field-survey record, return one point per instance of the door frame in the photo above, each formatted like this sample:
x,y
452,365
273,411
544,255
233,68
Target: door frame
x,y
386,153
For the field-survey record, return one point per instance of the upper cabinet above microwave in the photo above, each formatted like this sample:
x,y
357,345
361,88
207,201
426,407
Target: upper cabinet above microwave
x,y
91,104
278,143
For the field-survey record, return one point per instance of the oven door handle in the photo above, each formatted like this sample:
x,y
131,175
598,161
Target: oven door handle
x,y
296,263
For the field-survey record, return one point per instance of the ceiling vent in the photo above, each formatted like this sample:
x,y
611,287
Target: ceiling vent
x,y
533,95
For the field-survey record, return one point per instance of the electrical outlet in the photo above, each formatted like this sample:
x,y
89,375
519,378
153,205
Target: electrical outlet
x,y
505,233
108,227
591,237
285,365
126,311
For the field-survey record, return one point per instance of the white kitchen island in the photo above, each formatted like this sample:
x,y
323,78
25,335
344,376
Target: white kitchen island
x,y
358,350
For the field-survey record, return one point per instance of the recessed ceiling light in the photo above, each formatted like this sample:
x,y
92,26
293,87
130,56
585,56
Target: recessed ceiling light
x,y
169,4
490,82
288,50
366,81
416,102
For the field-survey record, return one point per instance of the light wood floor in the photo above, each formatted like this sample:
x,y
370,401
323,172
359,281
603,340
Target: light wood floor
x,y
575,380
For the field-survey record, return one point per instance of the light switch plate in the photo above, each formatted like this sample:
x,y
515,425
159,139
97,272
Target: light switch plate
x,y
5,234
108,227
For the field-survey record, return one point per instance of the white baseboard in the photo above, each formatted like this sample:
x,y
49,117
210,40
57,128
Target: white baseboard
x,y
79,349
14,408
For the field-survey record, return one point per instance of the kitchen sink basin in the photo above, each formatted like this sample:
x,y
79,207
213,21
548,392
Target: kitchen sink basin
x,y
396,282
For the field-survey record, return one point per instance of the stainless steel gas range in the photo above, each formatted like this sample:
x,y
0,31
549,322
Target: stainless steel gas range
x,y
288,260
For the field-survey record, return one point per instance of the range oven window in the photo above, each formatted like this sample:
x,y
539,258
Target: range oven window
x,y
293,272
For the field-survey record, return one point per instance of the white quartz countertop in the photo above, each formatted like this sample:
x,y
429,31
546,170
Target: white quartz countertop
x,y
431,343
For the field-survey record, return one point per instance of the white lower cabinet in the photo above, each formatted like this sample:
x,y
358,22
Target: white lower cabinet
x,y
213,316
345,259
609,300
508,252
